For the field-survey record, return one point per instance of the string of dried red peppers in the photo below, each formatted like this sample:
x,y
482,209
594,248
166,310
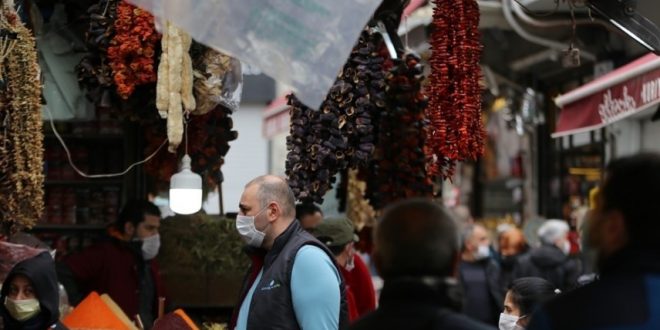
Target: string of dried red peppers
x,y
133,48
456,131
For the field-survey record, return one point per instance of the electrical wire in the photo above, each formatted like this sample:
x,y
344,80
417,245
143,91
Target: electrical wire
x,y
97,176
531,12
508,9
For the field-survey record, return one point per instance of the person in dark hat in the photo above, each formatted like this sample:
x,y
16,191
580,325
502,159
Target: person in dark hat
x,y
337,234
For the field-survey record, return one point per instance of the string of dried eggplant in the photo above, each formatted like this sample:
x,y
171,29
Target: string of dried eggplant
x,y
398,169
341,134
94,71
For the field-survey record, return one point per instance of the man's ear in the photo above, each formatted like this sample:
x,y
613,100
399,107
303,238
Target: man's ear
x,y
273,211
615,232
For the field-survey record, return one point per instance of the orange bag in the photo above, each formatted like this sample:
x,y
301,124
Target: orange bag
x,y
95,313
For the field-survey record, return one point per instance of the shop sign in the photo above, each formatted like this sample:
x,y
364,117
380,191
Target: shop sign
x,y
276,124
620,100
276,117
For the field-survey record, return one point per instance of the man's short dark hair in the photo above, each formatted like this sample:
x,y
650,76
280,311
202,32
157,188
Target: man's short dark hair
x,y
305,209
134,212
632,186
416,237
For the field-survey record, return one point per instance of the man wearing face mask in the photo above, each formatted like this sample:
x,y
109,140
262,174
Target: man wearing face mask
x,y
551,261
480,276
294,282
124,265
337,233
30,295
623,228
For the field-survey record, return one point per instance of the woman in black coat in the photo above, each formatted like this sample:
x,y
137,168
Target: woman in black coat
x,y
30,297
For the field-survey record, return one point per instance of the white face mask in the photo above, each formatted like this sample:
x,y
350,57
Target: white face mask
x,y
566,247
508,321
22,310
150,247
246,228
483,252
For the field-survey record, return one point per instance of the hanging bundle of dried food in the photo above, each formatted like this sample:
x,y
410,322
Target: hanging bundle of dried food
x,y
456,130
208,143
132,50
341,134
218,79
358,209
398,169
174,90
94,72
21,136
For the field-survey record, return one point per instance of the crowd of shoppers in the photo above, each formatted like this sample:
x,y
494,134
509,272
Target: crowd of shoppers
x,y
437,275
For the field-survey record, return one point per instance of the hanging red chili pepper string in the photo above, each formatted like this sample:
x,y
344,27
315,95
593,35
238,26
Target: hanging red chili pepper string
x,y
132,50
456,131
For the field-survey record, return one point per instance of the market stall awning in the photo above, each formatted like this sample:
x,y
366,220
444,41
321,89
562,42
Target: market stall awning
x,y
624,92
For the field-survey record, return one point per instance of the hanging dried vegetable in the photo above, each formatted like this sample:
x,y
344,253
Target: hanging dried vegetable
x,y
209,136
456,130
215,79
133,48
398,169
94,71
341,134
174,89
358,209
21,149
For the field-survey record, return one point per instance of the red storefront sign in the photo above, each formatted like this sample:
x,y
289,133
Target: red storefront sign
x,y
619,94
276,118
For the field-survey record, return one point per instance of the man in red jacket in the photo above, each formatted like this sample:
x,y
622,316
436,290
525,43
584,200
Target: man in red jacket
x,y
339,236
123,266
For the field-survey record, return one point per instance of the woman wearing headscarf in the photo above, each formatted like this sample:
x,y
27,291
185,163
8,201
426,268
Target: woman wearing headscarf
x,y
30,295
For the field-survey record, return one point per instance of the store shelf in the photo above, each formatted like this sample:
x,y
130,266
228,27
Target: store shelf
x,y
92,182
87,137
63,227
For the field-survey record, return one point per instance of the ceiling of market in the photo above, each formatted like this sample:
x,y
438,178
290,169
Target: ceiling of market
x,y
509,54
515,59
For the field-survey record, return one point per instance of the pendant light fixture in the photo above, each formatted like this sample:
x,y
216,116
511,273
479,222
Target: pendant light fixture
x,y
186,185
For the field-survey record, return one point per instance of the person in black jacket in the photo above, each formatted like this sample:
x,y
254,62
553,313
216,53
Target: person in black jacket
x,y
415,252
480,275
551,261
30,295
623,228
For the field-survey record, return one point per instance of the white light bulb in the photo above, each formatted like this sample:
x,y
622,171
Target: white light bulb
x,y
185,189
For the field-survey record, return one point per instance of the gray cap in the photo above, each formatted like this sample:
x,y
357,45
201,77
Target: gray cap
x,y
335,231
